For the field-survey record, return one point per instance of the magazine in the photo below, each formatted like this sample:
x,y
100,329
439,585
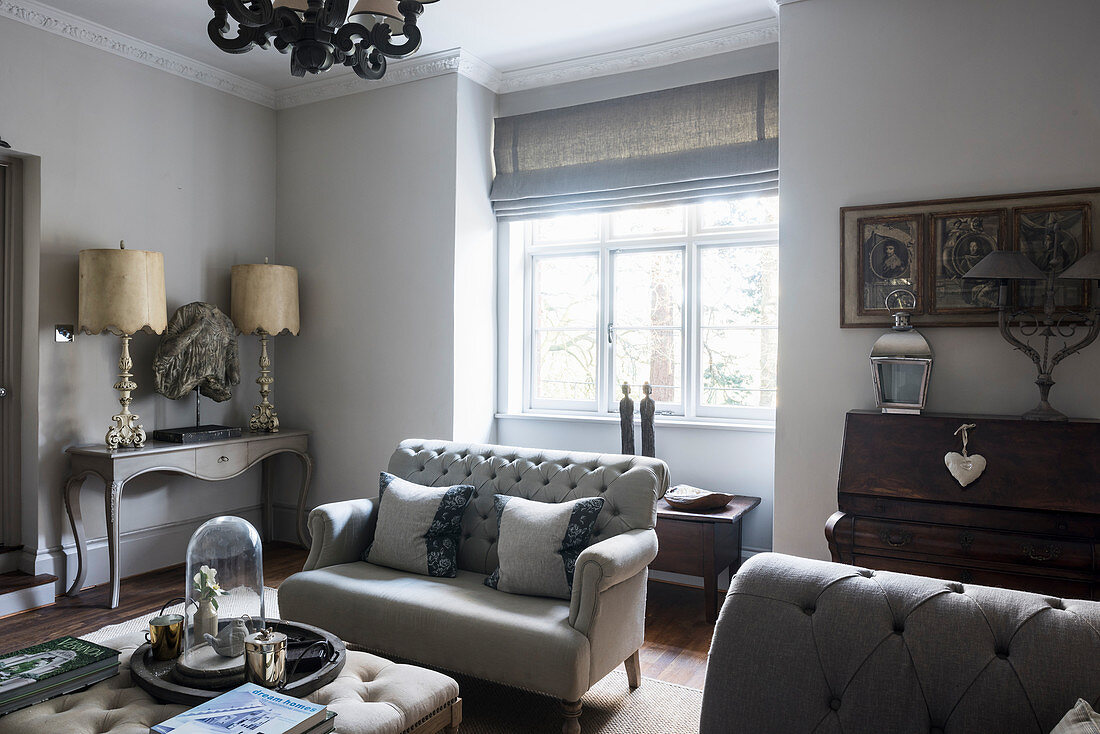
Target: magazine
x,y
247,709
30,698
50,664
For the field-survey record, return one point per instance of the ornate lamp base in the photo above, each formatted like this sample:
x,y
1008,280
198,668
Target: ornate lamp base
x,y
264,418
126,432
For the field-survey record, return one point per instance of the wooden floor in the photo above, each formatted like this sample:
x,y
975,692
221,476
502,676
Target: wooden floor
x,y
676,640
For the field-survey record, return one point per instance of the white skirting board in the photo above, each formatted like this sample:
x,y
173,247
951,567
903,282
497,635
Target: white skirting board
x,y
144,549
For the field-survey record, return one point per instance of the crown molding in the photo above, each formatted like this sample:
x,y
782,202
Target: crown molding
x,y
84,31
732,38
452,61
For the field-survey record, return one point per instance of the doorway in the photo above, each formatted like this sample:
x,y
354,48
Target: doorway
x,y
11,255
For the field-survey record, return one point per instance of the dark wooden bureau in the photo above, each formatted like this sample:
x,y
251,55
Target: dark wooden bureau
x,y
1030,522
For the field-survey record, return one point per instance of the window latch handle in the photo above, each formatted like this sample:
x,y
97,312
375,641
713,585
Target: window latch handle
x,y
610,328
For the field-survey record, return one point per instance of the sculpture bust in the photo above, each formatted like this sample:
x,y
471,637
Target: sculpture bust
x,y
197,352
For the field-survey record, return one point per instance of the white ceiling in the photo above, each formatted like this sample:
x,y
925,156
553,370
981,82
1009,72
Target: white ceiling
x,y
507,35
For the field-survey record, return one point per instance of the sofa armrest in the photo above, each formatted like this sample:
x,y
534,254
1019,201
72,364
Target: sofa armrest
x,y
341,532
605,564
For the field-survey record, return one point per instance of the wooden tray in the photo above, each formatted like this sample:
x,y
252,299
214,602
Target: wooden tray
x,y
706,502
155,676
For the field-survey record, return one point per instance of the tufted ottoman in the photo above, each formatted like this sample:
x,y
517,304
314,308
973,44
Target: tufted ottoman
x,y
371,696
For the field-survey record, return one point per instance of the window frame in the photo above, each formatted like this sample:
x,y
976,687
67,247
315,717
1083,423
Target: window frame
x,y
691,241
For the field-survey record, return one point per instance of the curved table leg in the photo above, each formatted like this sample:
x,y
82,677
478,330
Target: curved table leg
x,y
303,491
72,508
112,496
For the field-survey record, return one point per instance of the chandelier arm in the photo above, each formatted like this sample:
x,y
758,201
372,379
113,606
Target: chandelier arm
x,y
370,66
334,13
251,13
350,36
285,30
218,28
380,38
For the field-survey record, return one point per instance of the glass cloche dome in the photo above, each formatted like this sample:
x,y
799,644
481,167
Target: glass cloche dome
x,y
224,582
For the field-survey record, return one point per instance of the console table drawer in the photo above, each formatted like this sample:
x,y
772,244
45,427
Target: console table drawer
x,y
972,544
219,462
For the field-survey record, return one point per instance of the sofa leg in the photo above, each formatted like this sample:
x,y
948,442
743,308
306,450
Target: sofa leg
x,y
634,670
571,710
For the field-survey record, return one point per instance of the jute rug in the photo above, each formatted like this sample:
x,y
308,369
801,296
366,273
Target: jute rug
x,y
487,708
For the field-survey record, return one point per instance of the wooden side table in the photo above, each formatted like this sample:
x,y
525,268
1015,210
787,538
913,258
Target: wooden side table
x,y
702,544
210,460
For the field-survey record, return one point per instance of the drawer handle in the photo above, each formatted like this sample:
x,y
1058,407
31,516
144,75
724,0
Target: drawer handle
x,y
1042,553
896,538
966,540
223,459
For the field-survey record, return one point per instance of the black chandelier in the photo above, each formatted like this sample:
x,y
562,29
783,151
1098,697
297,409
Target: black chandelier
x,y
320,33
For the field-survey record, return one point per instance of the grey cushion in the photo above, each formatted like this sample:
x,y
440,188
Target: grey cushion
x,y
629,485
1081,719
453,624
418,527
539,543
807,646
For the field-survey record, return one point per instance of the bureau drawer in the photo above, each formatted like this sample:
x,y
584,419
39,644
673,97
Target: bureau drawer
x,y
1064,588
219,462
972,544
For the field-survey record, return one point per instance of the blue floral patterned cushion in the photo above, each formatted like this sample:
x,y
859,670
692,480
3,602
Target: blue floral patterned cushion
x,y
418,527
538,544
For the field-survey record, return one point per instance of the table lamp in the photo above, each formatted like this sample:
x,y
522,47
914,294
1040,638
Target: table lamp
x,y
265,302
1048,325
122,291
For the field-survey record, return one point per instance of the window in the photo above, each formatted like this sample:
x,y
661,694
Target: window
x,y
682,297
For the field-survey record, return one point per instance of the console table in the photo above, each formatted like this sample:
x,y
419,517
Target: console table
x,y
211,460
701,544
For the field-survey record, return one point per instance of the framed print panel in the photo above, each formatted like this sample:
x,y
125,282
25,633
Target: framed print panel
x,y
959,241
889,261
1053,237
925,247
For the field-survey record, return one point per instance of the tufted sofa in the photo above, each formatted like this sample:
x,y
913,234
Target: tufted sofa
x,y
550,646
806,646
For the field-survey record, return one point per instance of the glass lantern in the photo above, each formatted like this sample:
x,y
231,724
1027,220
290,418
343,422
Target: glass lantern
x,y
224,582
901,365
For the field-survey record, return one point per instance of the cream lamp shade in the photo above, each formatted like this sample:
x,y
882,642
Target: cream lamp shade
x,y
122,291
264,299
369,12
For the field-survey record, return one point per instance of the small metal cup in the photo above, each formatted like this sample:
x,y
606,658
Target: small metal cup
x,y
265,658
165,635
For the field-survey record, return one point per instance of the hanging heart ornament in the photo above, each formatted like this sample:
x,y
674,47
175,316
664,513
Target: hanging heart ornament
x,y
966,468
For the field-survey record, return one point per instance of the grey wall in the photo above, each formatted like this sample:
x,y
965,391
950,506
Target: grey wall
x,y
124,151
890,100
474,272
366,212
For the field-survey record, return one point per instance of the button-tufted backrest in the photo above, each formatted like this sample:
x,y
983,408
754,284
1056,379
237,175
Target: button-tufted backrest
x,y
805,646
629,485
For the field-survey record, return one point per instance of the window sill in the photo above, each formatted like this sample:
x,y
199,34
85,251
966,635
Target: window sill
x,y
668,421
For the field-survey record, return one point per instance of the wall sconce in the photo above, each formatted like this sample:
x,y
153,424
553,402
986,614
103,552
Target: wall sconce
x,y
1010,266
122,291
901,365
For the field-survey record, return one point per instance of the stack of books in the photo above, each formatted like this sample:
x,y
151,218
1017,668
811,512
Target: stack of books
x,y
250,709
41,672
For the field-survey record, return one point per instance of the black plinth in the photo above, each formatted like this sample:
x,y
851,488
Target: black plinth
x,y
196,434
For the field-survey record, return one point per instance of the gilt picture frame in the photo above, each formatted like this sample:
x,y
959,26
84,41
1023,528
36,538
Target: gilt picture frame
x,y
947,230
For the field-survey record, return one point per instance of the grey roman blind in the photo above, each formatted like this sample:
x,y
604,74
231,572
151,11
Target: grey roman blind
x,y
678,145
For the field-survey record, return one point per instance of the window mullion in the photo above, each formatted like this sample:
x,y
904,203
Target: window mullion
x,y
606,359
690,378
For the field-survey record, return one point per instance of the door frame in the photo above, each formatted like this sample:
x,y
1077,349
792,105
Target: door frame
x,y
11,332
